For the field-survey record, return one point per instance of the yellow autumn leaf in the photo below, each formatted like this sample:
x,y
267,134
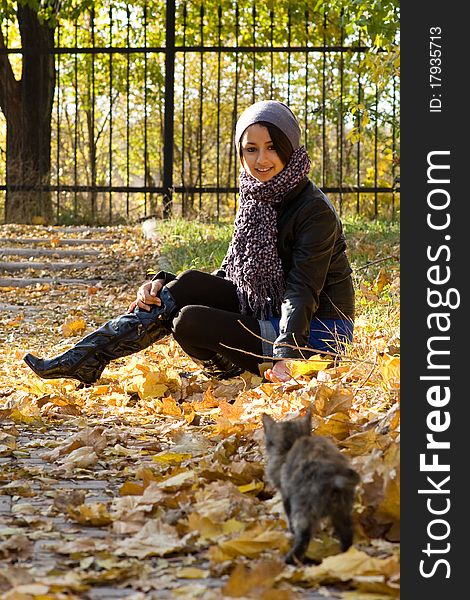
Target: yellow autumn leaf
x,y
148,385
175,482
251,543
100,390
255,583
171,458
389,367
95,514
233,526
189,414
192,573
131,488
321,547
170,407
390,505
315,363
381,280
210,528
254,486
147,476
73,327
206,527
332,400
348,565
361,442
336,425
20,417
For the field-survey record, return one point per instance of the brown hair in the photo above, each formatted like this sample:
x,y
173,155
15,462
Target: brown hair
x,y
280,142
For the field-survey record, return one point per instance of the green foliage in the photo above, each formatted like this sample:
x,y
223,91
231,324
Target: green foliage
x,y
338,116
194,244
370,241
203,244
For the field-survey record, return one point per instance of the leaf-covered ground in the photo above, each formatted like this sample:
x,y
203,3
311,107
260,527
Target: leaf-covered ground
x,y
150,484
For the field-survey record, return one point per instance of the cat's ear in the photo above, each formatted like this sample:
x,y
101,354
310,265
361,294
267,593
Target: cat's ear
x,y
267,421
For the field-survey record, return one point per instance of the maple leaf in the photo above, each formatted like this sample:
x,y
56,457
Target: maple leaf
x,y
95,514
154,539
73,327
390,370
315,363
354,566
257,582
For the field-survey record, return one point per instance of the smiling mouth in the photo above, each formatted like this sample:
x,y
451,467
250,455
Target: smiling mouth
x,y
264,170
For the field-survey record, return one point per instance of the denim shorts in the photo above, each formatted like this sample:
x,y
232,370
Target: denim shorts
x,y
326,335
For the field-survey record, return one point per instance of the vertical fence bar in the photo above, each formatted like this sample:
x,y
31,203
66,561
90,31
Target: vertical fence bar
x,y
183,117
128,91
201,95
235,99
58,126
289,53
323,112
359,132
394,142
307,18
253,83
233,150
341,124
110,115
376,134
271,40
169,109
7,175
92,126
75,135
219,54
146,156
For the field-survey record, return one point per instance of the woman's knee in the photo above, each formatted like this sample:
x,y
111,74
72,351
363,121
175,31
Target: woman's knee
x,y
190,277
185,323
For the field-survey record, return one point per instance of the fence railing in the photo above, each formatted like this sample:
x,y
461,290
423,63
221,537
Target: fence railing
x,y
147,96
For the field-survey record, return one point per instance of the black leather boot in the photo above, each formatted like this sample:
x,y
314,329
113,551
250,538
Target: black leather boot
x,y
124,335
219,367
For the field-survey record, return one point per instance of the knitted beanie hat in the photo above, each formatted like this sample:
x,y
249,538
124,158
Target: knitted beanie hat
x,y
273,112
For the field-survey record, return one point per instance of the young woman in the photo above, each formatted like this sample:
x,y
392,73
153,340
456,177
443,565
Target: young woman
x,y
285,283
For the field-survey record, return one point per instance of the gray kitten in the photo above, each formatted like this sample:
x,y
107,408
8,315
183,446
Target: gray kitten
x,y
314,479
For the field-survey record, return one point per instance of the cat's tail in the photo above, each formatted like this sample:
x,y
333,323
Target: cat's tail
x,y
342,501
347,478
302,525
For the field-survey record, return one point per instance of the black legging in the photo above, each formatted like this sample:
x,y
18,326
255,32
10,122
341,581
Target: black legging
x,y
209,315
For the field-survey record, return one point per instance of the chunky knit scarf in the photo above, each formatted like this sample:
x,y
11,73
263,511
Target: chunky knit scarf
x,y
252,262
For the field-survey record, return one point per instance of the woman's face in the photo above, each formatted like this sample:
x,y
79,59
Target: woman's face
x,y
259,158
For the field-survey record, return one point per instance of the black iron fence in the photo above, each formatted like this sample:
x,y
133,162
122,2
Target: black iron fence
x,y
147,96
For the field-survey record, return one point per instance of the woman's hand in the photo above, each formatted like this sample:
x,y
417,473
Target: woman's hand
x,y
279,372
147,294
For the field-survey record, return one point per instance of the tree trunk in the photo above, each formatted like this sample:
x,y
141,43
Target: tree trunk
x,y
27,106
